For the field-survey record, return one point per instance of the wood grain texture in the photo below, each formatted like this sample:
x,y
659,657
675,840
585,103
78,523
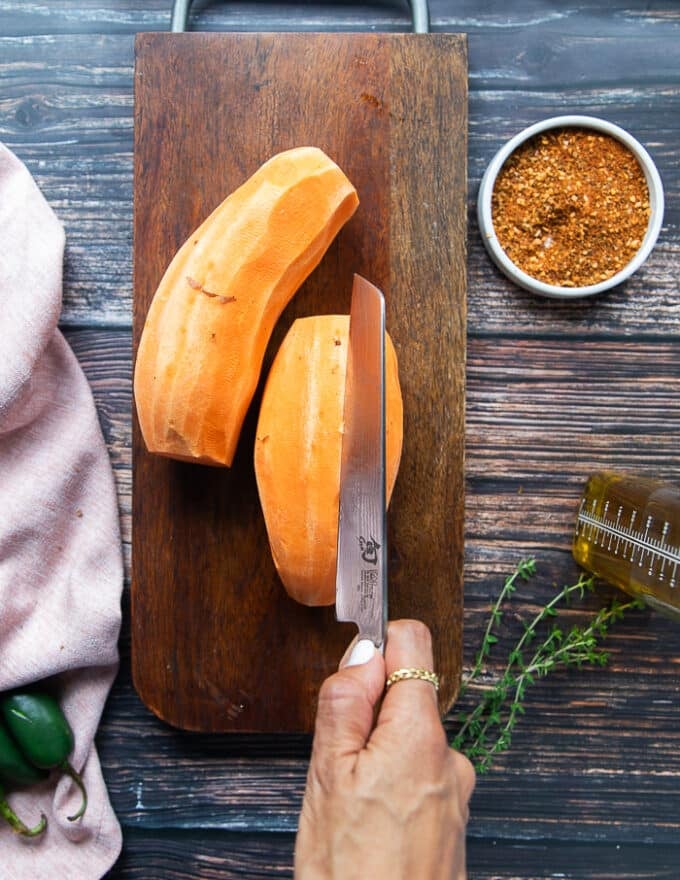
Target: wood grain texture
x,y
70,119
205,595
531,402
519,502
590,789
222,856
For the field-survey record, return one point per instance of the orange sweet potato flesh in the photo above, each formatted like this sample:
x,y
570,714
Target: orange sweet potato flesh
x,y
298,448
201,350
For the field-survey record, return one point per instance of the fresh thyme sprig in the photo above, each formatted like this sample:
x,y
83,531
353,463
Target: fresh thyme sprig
x,y
525,569
487,729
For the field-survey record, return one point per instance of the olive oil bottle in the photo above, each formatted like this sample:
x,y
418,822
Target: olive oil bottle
x,y
628,533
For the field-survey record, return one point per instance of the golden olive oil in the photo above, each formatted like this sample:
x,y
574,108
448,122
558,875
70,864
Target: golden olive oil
x,y
628,533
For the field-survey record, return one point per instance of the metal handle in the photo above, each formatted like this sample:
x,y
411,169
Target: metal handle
x,y
420,13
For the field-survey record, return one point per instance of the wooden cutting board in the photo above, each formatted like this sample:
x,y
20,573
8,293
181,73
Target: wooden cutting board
x,y
216,643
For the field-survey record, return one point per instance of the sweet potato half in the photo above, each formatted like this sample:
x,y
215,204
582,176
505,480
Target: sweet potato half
x,y
298,450
204,338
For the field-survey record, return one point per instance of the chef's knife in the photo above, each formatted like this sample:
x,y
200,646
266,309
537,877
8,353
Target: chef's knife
x,y
361,574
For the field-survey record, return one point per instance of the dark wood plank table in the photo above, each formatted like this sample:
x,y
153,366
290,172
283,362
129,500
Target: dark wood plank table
x,y
591,785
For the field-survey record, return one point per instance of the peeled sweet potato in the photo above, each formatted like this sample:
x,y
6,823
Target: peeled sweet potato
x,y
298,451
204,338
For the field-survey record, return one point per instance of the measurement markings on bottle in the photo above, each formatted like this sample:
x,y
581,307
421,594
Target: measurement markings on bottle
x,y
631,541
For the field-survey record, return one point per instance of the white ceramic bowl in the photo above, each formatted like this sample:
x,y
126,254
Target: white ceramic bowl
x,y
498,255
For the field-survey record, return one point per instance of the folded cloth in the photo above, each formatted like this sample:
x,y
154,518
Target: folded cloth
x,y
61,569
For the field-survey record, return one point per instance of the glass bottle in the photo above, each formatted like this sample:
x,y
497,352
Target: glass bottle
x,y
628,533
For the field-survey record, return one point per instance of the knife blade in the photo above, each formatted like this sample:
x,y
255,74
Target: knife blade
x,y
361,572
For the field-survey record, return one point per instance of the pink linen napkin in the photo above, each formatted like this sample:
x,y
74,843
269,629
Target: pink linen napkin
x,y
61,569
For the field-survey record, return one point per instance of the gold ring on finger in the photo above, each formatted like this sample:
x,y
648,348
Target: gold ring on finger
x,y
412,672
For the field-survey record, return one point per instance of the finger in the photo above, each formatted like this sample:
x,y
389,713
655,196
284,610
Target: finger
x,y
347,700
409,645
466,776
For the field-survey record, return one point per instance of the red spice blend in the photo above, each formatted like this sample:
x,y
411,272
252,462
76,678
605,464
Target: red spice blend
x,y
571,207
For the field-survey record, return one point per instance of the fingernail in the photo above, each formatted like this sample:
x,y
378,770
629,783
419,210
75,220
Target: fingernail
x,y
361,653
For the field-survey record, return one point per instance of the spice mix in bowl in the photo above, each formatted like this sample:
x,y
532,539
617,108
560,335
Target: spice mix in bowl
x,y
570,206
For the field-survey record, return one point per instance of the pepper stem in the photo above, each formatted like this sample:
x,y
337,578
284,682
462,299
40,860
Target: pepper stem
x,y
76,777
17,825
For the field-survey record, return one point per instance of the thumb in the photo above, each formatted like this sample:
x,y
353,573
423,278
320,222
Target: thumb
x,y
347,701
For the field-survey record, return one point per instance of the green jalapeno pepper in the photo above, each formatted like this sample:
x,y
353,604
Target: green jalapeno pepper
x,y
42,734
15,770
15,822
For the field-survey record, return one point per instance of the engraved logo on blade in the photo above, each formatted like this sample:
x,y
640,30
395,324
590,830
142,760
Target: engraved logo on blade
x,y
369,550
367,587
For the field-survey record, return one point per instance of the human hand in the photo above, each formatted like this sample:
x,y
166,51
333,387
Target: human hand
x,y
386,798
